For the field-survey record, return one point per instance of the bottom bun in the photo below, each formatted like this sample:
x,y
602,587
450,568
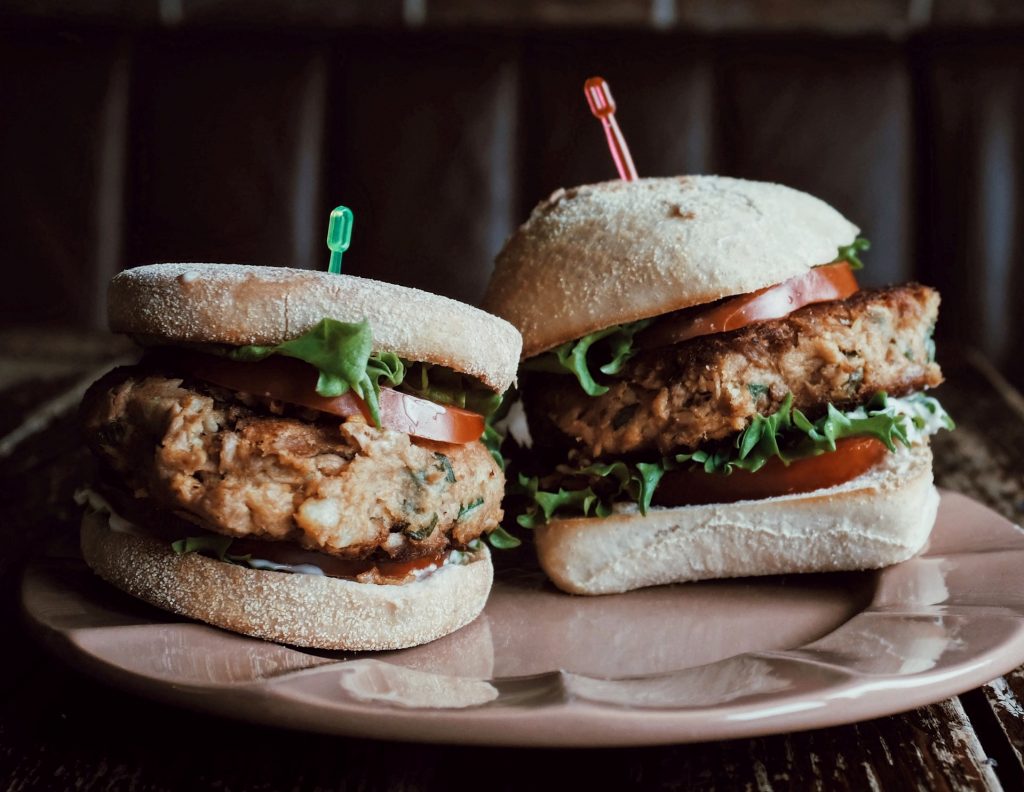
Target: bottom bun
x,y
879,518
303,610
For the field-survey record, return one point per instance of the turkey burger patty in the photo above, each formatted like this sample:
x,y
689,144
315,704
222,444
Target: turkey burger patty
x,y
227,464
707,388
298,456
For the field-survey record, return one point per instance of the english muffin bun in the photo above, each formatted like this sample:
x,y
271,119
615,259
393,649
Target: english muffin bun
x,y
166,304
299,609
317,493
879,518
813,387
615,252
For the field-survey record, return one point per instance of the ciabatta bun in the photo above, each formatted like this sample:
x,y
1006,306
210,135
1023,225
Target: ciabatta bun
x,y
238,304
882,517
604,254
299,609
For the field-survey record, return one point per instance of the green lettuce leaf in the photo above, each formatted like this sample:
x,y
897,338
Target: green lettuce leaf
x,y
210,544
851,253
500,539
789,435
444,386
786,434
544,504
605,351
341,352
493,438
620,481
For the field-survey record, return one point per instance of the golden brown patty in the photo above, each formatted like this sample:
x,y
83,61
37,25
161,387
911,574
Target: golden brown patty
x,y
344,488
708,388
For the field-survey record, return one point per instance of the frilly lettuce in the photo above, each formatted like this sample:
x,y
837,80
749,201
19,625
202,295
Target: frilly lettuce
x,y
444,386
786,434
628,483
342,353
851,253
606,350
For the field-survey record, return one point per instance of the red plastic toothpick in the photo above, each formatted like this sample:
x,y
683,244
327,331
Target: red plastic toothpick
x,y
599,97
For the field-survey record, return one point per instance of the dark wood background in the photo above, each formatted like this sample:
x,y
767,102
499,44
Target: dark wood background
x,y
133,132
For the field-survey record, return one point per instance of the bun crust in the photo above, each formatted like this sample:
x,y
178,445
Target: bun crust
x,y
302,610
604,254
880,518
240,304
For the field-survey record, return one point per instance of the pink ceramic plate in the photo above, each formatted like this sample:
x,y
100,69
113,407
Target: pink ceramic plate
x,y
704,661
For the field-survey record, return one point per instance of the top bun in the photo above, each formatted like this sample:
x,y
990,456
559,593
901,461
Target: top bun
x,y
604,254
238,304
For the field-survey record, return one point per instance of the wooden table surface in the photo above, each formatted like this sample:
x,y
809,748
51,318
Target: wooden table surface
x,y
62,730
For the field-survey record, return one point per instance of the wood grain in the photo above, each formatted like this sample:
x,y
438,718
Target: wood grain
x,y
984,457
564,144
62,99
785,117
227,151
427,161
546,13
228,129
971,216
976,13
1006,698
893,18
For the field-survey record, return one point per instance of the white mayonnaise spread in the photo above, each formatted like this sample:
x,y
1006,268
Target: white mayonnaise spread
x,y
924,414
297,569
516,425
90,497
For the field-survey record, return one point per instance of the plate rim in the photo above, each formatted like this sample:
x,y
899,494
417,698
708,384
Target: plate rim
x,y
579,723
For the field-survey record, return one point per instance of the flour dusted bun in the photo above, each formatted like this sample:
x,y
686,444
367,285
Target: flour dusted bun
x,y
615,252
882,517
298,609
238,304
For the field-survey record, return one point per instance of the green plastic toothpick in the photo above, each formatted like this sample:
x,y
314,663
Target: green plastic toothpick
x,y
339,234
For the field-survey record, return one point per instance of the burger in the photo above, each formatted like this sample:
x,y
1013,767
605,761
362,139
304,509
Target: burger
x,y
298,455
708,391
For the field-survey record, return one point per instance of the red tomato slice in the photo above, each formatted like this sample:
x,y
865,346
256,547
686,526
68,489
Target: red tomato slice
x,y
821,284
853,456
290,380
